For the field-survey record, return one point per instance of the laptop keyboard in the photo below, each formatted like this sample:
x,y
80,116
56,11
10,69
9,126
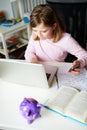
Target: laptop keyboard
x,y
48,76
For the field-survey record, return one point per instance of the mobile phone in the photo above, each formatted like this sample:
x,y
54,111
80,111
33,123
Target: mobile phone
x,y
74,67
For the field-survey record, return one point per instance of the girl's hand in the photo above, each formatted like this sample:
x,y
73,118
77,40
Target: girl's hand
x,y
75,67
34,60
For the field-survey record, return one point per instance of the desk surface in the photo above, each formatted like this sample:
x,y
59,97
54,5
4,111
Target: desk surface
x,y
10,117
11,96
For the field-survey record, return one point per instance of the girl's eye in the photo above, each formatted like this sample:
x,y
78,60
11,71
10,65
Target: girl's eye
x,y
44,31
40,31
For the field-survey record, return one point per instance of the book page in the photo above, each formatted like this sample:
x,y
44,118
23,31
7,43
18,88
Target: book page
x,y
78,107
62,99
78,81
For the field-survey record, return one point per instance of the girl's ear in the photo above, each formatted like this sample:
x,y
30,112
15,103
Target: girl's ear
x,y
54,26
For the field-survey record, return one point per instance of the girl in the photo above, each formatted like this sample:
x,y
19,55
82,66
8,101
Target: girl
x,y
49,41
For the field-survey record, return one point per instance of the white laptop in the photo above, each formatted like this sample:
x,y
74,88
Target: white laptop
x,y
25,73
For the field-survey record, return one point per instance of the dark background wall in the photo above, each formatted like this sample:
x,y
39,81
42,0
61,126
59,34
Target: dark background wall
x,y
74,14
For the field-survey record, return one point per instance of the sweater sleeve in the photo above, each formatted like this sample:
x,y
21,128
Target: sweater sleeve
x,y
30,50
75,49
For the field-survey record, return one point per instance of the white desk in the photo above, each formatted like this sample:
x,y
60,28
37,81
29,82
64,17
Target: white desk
x,y
4,31
11,96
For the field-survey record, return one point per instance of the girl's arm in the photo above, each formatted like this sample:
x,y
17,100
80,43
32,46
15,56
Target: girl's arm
x,y
30,55
75,49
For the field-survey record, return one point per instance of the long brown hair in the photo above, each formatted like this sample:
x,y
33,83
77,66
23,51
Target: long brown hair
x,y
47,15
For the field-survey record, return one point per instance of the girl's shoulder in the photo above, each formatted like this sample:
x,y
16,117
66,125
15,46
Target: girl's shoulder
x,y
66,35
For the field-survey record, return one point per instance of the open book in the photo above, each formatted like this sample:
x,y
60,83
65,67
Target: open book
x,y
70,103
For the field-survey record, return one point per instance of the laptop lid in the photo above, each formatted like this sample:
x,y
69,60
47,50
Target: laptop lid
x,y
24,73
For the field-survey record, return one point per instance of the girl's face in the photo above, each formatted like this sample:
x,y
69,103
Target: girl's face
x,y
43,32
